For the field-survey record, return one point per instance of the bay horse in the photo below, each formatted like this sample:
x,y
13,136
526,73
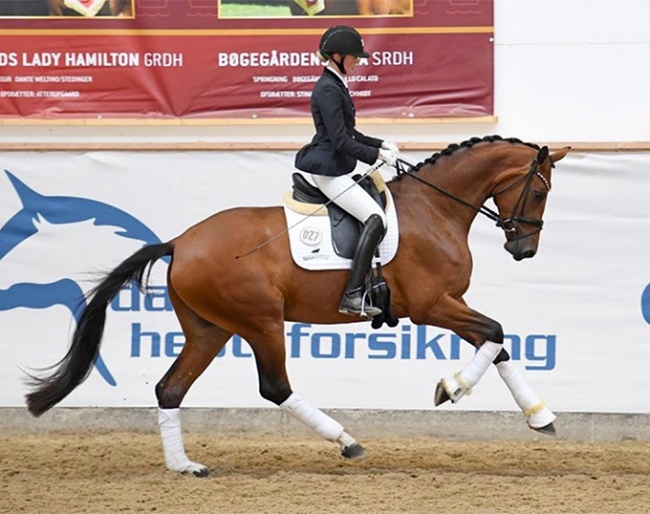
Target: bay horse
x,y
216,294
99,7
355,8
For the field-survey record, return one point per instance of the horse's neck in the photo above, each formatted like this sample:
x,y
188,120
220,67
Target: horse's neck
x,y
454,180
472,174
459,183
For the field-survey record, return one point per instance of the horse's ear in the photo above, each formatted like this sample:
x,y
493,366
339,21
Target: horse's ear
x,y
556,156
542,154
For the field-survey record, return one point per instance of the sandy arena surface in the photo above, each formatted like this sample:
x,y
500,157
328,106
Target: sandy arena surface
x,y
124,473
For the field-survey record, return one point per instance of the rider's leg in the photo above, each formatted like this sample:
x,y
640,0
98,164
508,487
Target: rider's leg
x,y
353,298
352,198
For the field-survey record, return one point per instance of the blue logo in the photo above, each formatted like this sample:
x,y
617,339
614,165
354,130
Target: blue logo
x,y
40,212
645,304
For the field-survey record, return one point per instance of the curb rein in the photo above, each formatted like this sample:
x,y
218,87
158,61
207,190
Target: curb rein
x,y
508,225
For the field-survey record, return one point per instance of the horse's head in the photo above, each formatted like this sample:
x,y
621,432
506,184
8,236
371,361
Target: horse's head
x,y
520,194
50,235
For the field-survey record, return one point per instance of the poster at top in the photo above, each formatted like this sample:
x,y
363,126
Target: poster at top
x,y
249,59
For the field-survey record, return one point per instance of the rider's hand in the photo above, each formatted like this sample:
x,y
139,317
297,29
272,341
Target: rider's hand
x,y
388,156
389,145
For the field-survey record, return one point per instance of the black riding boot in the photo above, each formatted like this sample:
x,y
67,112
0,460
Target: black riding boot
x,y
353,298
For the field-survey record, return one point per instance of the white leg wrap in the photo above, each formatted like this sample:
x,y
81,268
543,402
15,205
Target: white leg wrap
x,y
345,439
536,412
521,391
481,362
169,421
461,383
315,419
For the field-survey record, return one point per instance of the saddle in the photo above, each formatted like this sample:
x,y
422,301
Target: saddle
x,y
346,231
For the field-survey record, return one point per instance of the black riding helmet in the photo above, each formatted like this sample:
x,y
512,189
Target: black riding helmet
x,y
343,40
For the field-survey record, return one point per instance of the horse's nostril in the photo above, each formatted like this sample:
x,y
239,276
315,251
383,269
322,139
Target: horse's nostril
x,y
520,256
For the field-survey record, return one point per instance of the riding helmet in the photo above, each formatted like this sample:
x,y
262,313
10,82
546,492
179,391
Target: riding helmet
x,y
342,39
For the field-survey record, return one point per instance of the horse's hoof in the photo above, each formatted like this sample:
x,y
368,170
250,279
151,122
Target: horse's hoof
x,y
353,451
546,429
197,470
441,395
201,473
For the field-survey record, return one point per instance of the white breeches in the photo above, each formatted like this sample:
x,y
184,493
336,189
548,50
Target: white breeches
x,y
350,197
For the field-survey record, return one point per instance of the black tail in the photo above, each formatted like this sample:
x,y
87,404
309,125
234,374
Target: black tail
x,y
75,367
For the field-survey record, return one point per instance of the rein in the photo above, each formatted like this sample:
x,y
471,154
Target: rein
x,y
506,224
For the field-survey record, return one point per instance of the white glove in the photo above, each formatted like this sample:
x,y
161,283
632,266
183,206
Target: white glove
x,y
389,145
388,156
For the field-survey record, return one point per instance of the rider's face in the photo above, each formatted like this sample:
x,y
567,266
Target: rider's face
x,y
349,63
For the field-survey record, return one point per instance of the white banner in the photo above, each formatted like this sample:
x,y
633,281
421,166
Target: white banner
x,y
576,316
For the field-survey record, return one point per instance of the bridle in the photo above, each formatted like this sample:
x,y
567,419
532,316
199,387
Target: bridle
x,y
510,224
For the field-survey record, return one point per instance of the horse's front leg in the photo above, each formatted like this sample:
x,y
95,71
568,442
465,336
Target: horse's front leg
x,y
487,335
538,415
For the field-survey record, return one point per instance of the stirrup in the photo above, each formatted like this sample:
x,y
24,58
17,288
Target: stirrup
x,y
355,303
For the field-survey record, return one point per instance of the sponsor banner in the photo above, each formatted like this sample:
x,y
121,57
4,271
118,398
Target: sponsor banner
x,y
240,59
576,317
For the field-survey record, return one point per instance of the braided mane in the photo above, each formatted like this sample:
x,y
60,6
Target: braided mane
x,y
468,144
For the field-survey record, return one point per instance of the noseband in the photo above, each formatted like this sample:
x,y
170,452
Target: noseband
x,y
508,225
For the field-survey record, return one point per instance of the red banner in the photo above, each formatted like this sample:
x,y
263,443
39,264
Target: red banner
x,y
203,59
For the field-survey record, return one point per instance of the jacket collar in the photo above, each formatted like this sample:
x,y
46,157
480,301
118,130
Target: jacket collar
x,y
340,77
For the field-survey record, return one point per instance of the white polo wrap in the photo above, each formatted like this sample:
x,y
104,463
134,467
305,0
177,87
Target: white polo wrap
x,y
305,412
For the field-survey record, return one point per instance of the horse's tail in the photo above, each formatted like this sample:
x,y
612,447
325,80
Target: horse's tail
x,y
75,367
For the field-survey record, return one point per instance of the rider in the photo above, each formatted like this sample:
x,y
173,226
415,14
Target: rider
x,y
332,156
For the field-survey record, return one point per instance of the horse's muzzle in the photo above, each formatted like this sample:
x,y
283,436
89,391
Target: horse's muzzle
x,y
520,250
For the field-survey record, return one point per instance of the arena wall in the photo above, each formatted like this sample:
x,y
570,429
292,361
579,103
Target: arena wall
x,y
363,423
575,73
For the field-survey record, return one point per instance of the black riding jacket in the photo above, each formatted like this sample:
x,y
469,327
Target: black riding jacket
x,y
337,145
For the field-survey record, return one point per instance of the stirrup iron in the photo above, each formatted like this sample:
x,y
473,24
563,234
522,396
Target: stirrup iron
x,y
356,302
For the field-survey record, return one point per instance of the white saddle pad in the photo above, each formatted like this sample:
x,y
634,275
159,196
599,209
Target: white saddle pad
x,y
310,237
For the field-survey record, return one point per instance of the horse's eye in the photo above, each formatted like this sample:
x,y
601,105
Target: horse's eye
x,y
539,195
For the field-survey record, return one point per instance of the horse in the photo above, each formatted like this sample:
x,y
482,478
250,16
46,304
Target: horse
x,y
90,8
232,273
383,7
352,8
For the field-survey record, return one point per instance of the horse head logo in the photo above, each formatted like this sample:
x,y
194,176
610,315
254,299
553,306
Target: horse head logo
x,y
645,304
41,242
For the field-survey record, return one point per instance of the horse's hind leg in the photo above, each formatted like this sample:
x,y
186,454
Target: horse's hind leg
x,y
270,355
203,341
487,334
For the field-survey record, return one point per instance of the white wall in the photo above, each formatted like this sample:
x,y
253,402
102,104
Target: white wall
x,y
565,70
576,317
575,70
